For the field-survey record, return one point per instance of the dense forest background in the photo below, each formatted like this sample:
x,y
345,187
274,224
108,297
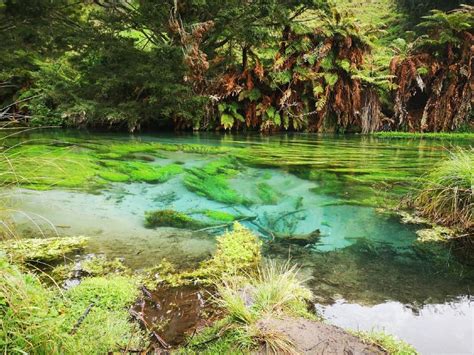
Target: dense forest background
x,y
268,65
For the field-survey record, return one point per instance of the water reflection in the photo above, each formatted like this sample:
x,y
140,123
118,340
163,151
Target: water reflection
x,y
446,328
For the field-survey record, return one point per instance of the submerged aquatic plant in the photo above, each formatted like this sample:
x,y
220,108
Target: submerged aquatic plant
x,y
170,218
267,194
220,216
447,192
212,181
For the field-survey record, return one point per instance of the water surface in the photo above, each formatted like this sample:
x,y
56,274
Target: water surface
x,y
367,269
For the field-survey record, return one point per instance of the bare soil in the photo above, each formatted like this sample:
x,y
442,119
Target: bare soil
x,y
312,337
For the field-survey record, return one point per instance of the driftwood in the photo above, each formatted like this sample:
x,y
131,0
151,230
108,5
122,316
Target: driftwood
x,y
220,226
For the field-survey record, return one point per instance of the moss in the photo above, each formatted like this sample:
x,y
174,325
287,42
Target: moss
x,y
170,218
39,320
101,266
388,343
106,327
238,252
267,194
42,249
113,176
141,172
435,234
220,216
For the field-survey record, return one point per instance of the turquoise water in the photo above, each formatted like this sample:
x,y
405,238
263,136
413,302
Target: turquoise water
x,y
365,262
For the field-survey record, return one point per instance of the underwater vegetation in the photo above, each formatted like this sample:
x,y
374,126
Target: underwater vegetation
x,y
446,193
118,171
212,181
170,218
220,216
88,166
427,135
267,194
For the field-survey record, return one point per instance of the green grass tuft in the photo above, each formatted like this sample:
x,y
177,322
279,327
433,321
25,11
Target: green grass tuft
x,y
388,343
427,135
446,193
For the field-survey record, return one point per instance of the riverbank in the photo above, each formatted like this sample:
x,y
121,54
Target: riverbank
x,y
75,299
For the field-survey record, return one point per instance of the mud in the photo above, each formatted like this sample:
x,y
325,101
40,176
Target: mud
x,y
172,313
311,337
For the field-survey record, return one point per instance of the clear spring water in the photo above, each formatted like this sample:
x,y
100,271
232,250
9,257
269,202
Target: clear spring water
x,y
367,270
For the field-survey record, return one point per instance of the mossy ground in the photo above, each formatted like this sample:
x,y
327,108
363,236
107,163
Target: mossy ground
x,y
238,252
42,320
42,249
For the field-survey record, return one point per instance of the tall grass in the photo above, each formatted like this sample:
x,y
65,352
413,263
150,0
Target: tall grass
x,y
275,291
446,194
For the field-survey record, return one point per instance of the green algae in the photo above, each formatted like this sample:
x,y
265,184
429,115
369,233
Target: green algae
x,y
113,176
267,194
135,171
220,216
212,181
48,249
170,218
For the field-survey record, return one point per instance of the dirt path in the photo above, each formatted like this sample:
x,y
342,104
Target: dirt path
x,y
311,337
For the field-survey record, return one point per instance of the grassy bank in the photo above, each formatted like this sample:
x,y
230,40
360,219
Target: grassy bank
x,y
445,195
427,135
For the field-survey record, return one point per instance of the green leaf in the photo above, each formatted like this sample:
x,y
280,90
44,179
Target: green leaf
x,y
331,78
227,120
